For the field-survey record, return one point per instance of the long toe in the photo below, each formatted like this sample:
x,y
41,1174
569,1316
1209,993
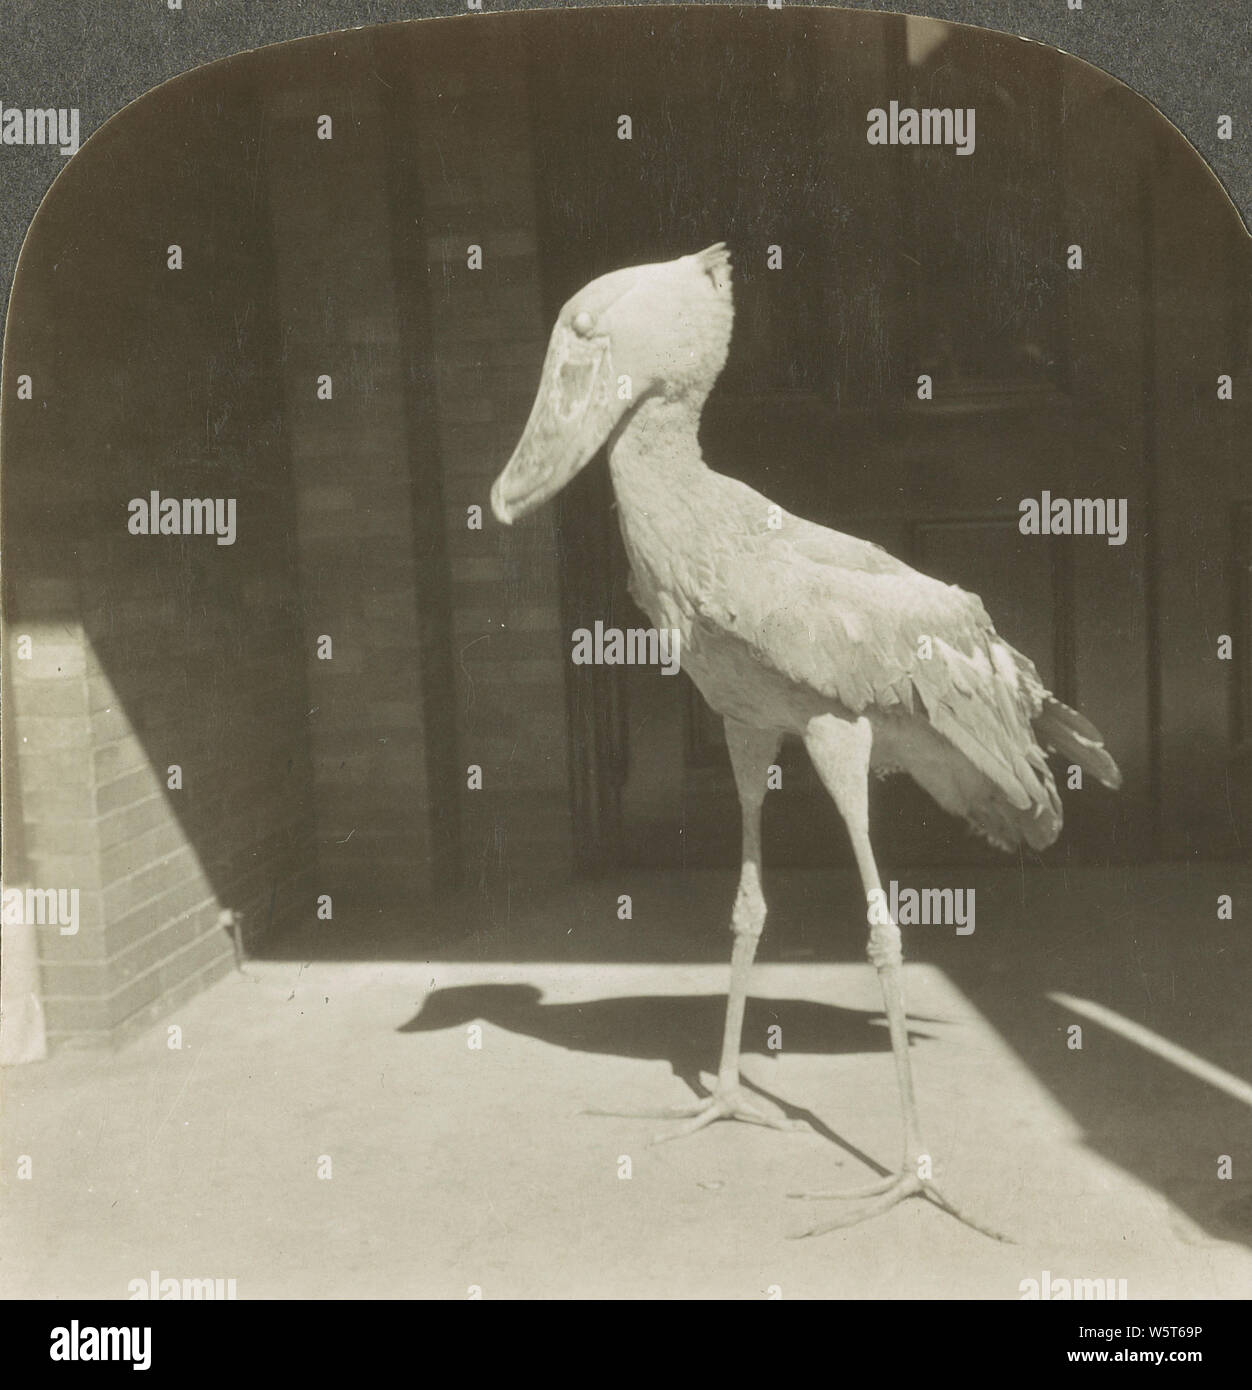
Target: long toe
x,y
849,1194
728,1105
932,1193
669,1112
723,1104
878,1197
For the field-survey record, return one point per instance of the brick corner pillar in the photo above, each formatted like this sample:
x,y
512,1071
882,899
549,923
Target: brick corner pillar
x,y
53,905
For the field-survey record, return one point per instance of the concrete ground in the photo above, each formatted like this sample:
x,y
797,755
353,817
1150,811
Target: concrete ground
x,y
454,1166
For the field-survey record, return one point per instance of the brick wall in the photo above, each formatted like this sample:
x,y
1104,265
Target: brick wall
x,y
362,582
300,776
147,652
462,93
448,649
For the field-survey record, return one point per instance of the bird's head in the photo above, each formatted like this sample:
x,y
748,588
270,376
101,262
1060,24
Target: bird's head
x,y
459,1004
651,330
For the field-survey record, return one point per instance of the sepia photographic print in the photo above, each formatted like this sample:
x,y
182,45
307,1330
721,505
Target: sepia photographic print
x,y
626,675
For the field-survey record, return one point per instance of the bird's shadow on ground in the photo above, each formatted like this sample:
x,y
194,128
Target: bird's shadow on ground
x,y
683,1030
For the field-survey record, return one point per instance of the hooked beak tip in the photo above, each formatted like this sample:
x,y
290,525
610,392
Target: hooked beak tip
x,y
499,507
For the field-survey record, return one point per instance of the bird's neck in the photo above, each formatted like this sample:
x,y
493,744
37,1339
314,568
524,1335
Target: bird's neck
x,y
662,485
656,450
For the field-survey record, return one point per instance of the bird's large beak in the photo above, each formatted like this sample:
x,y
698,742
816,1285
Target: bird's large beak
x,y
573,414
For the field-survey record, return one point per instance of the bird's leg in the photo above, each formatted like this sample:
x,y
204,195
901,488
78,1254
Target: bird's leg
x,y
840,751
752,751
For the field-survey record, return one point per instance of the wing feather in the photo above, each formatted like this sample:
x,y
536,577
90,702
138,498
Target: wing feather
x,y
848,621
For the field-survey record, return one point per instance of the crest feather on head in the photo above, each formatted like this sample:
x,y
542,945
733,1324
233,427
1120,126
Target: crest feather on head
x,y
715,260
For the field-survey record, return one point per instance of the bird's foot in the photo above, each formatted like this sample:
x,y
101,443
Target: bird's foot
x,y
725,1103
877,1197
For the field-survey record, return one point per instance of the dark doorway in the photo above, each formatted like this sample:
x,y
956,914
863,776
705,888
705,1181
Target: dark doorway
x,y
895,264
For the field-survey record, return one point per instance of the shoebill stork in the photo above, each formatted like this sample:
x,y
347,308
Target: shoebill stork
x,y
789,628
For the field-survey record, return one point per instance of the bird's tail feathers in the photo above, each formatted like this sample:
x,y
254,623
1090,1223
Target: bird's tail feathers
x,y
1062,730
1007,824
1018,807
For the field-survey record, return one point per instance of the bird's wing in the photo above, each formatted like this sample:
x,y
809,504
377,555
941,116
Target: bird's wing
x,y
851,623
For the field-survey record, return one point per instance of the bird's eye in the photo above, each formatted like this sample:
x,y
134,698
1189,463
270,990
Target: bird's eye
x,y
582,323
